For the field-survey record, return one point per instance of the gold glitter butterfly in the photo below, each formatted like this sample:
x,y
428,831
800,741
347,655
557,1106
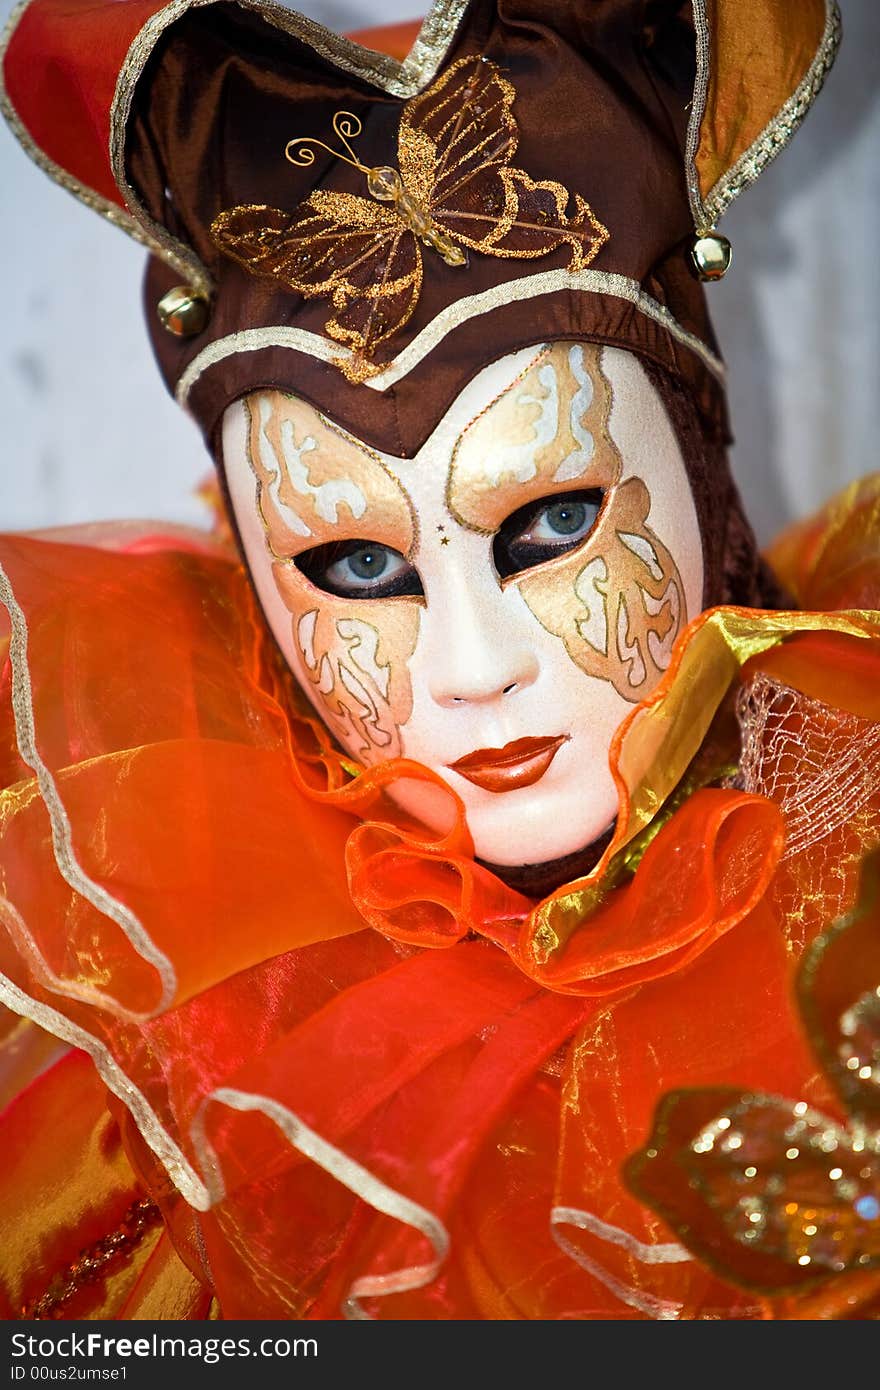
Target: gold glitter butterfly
x,y
772,1193
454,188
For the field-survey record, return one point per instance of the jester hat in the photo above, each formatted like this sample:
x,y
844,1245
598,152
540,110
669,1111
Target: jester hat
x,y
369,229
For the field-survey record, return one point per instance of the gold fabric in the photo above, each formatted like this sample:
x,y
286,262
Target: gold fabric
x,y
754,70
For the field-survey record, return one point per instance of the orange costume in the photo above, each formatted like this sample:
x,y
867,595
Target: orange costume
x,y
424,1117
272,1048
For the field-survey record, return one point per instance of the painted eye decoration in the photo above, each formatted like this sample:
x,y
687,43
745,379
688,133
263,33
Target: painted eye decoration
x,y
545,528
360,569
539,531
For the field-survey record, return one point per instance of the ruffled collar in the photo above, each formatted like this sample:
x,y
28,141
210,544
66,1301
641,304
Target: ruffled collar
x,y
176,777
188,867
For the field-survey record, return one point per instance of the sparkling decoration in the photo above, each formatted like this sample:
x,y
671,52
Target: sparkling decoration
x,y
455,189
96,1262
772,1192
801,1206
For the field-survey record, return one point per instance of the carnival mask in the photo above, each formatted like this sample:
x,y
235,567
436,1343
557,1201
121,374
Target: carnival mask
x,y
493,607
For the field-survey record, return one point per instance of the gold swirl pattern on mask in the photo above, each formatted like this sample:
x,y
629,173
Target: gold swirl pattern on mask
x,y
455,188
617,601
356,671
545,433
316,484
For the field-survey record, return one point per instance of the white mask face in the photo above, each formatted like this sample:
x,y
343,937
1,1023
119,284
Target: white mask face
x,y
493,607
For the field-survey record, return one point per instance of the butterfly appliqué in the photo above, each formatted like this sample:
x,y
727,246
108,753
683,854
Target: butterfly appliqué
x,y
455,187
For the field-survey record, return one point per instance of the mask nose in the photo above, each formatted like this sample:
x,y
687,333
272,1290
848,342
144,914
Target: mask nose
x,y
479,686
481,653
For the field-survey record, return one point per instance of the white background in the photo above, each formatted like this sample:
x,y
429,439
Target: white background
x,y
89,432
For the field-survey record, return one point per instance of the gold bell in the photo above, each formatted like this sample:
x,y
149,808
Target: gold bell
x,y
711,255
183,311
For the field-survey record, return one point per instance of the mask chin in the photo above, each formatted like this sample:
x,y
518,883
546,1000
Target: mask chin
x,y
537,880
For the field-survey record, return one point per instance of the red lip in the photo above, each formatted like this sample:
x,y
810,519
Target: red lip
x,y
517,764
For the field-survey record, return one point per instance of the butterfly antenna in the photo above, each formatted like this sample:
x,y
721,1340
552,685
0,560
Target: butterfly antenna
x,y
346,125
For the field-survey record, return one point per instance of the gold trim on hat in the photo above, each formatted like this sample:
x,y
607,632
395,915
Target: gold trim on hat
x,y
698,111
398,79
110,211
775,135
450,318
364,255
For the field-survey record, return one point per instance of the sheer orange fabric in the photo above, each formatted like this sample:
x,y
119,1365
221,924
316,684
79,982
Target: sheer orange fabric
x,y
437,1107
770,1189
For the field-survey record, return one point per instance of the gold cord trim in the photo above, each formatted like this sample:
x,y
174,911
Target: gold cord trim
x,y
469,307
62,844
398,79
346,1171
775,136
111,212
432,43
176,1165
698,111
173,251
254,340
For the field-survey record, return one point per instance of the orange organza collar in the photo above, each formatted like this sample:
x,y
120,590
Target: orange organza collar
x,y
172,814
188,865
596,935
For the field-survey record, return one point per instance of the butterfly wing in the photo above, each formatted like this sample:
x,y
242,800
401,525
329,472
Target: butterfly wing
x,y
350,250
769,1193
455,149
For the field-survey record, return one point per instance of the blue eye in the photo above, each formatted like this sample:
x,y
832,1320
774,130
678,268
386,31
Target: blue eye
x,y
562,519
359,569
364,565
545,528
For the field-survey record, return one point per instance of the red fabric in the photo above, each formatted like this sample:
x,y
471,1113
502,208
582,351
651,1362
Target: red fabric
x,y
61,67
65,103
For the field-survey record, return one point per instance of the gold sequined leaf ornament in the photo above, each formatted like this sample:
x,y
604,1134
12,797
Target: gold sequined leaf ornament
x,y
772,1193
455,187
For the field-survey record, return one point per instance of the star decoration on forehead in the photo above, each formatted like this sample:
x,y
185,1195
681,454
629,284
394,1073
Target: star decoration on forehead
x,y
455,190
774,1194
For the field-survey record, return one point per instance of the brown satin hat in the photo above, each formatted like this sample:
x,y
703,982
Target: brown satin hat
x,y
369,231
